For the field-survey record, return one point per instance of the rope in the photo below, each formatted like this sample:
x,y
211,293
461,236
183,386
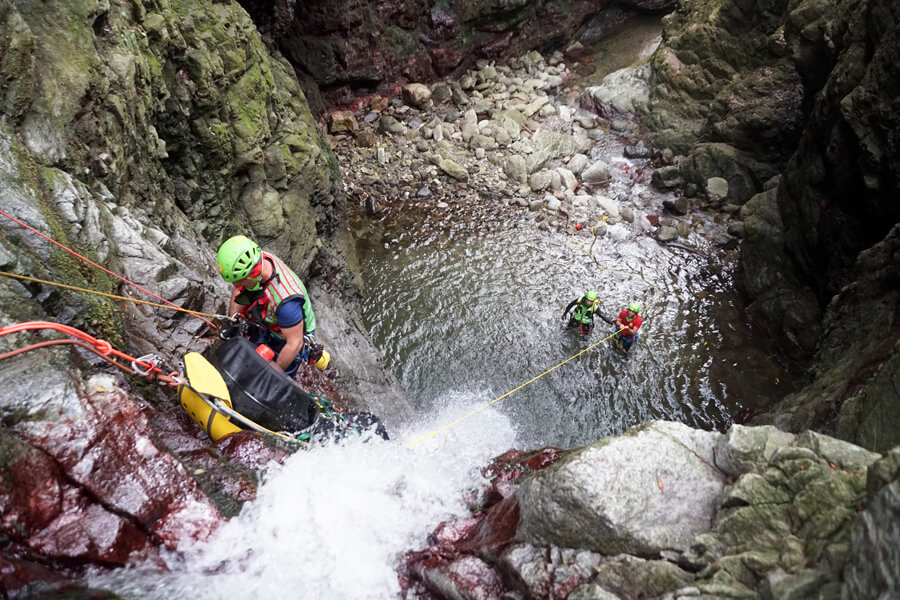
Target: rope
x,y
99,347
104,269
112,296
498,399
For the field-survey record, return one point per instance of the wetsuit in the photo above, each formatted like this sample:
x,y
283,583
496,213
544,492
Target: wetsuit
x,y
626,337
583,316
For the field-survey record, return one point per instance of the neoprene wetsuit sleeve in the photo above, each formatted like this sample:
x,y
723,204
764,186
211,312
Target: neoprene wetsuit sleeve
x,y
605,318
290,312
569,307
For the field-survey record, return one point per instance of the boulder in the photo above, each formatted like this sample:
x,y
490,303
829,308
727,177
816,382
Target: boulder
x,y
583,502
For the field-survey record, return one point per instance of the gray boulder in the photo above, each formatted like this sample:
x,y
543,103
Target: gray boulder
x,y
586,501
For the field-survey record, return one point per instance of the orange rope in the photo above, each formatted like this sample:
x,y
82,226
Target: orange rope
x,y
100,347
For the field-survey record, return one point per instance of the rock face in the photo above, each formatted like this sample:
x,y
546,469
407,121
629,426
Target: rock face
x,y
141,135
664,511
794,109
351,48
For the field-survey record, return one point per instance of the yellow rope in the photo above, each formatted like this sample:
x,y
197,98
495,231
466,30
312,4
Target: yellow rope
x,y
498,399
113,296
590,253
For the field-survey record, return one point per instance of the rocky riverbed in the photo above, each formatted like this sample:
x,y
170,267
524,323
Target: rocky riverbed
x,y
508,139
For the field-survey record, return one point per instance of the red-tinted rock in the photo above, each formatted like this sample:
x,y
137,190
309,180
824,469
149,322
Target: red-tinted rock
x,y
251,450
107,451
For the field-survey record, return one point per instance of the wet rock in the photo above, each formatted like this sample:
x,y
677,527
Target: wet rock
x,y
342,121
596,173
666,178
679,206
638,150
667,234
623,92
717,189
578,163
736,228
594,518
628,214
684,229
454,169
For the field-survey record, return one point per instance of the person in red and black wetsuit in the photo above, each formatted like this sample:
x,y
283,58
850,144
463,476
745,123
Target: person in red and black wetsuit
x,y
627,324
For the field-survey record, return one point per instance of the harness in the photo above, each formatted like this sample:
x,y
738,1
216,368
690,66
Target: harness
x,y
283,285
584,313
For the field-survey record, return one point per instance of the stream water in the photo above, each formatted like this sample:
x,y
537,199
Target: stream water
x,y
465,301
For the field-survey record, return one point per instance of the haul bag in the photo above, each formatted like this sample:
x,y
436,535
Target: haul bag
x,y
260,392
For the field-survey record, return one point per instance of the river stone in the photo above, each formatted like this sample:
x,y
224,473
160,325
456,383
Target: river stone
x,y
583,501
416,94
610,206
717,188
537,160
578,163
666,178
515,168
667,234
454,169
567,179
546,574
341,121
389,124
539,181
623,91
596,173
483,141
557,144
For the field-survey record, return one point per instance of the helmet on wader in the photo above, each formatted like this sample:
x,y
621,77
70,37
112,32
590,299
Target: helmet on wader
x,y
237,256
591,295
634,307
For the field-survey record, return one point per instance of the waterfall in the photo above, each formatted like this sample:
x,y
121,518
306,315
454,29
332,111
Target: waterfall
x,y
332,522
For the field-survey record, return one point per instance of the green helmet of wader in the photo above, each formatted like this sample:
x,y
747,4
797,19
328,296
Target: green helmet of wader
x,y
591,295
237,256
634,307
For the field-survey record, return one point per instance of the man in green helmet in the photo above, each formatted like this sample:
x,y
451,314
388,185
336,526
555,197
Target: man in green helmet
x,y
627,324
268,293
585,308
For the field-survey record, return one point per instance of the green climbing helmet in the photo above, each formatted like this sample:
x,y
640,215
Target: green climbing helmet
x,y
237,256
591,295
634,307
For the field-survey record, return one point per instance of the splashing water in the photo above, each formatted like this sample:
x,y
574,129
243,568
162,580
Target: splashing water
x,y
332,522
